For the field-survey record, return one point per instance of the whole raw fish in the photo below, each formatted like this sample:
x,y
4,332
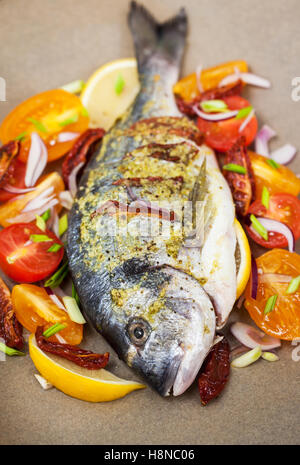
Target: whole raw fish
x,y
151,240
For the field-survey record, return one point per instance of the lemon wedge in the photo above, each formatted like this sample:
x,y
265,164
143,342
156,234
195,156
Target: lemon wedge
x,y
243,258
109,91
90,385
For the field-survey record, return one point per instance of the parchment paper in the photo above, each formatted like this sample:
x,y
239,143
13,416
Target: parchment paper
x,y
45,44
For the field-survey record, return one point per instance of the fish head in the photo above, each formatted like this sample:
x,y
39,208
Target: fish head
x,y
168,325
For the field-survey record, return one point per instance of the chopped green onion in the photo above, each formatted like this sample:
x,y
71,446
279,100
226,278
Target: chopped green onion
x,y
248,358
270,357
270,305
272,163
265,197
71,120
244,112
21,136
259,228
74,87
54,329
38,125
46,215
84,112
54,248
293,285
9,351
62,224
119,84
73,310
40,222
75,295
235,168
57,278
40,238
211,106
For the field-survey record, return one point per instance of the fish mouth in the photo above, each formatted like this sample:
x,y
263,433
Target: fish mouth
x,y
166,388
191,302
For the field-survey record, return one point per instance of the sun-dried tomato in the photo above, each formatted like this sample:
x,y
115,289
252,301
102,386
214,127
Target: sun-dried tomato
x,y
242,185
82,357
81,151
215,372
7,153
219,93
10,329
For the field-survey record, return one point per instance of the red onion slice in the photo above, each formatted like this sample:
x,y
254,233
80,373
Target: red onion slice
x,y
198,78
67,136
240,349
254,278
247,78
54,298
252,337
247,120
284,154
26,217
72,179
17,190
66,199
37,160
214,116
281,228
261,141
40,200
274,278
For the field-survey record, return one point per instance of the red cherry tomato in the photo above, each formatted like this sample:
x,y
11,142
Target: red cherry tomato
x,y
222,135
24,260
15,178
282,207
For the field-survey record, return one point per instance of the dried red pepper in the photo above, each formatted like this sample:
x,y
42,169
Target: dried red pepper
x,y
219,93
81,151
7,154
242,185
10,329
214,372
82,357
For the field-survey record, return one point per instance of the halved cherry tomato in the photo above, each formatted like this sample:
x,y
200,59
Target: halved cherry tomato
x,y
48,114
280,179
222,135
284,321
24,260
282,207
14,207
34,307
15,177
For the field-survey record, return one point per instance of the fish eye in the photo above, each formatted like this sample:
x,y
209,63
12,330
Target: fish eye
x,y
138,331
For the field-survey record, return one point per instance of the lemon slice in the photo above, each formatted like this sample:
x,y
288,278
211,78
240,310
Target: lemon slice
x,y
90,385
103,98
243,258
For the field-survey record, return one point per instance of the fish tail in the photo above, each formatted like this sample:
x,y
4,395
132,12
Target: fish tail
x,y
164,41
